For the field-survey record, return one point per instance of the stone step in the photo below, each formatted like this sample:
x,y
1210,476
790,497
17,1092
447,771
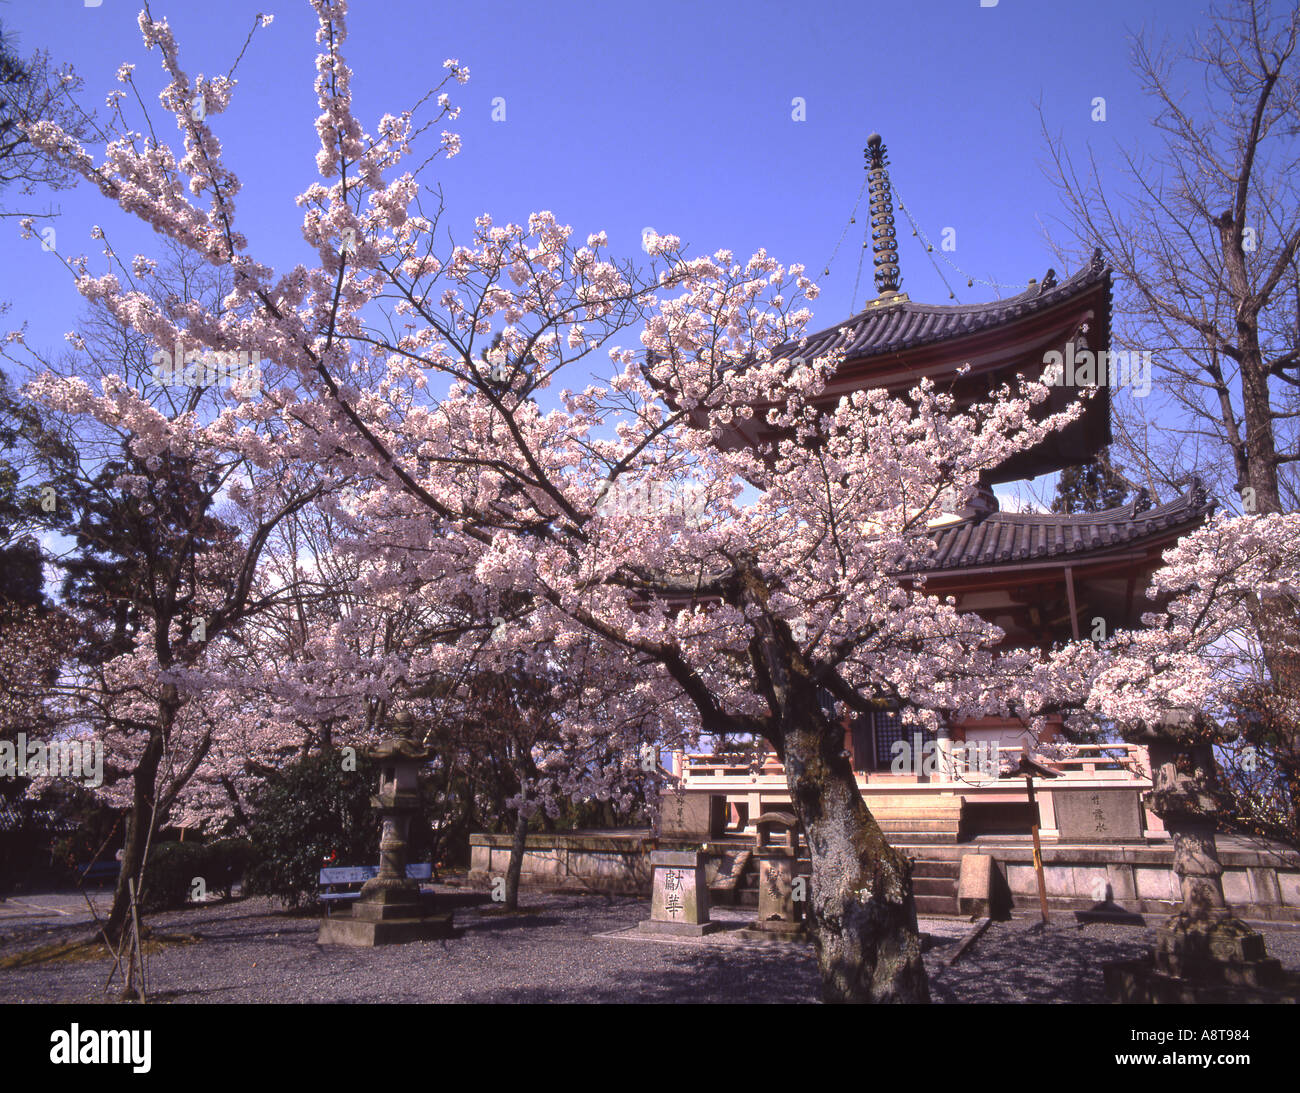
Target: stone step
x,y
882,814
937,905
894,804
933,868
940,904
913,823
731,870
934,886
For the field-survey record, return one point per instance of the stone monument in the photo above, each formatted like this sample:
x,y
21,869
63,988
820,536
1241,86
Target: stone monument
x,y
1099,815
679,896
694,816
389,910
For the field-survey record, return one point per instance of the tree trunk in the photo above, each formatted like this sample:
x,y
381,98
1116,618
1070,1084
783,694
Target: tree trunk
x,y
516,865
863,915
1291,776
139,829
1273,615
143,817
236,805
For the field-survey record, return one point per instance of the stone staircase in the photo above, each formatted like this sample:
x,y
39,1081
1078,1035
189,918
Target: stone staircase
x,y
934,886
732,879
937,820
736,881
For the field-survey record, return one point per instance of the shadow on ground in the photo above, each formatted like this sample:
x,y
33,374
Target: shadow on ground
x,y
683,975
557,950
1034,964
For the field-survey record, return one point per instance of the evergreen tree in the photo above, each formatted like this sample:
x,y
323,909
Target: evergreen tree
x,y
36,637
1090,487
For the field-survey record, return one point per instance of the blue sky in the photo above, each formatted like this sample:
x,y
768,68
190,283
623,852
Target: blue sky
x,y
676,116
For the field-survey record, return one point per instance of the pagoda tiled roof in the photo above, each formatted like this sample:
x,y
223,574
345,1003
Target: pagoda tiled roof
x,y
1010,538
886,327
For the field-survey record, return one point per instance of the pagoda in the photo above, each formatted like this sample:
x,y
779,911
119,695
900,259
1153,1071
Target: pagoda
x,y
1042,577
966,350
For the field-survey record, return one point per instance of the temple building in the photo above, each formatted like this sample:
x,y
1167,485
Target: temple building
x,y
1042,577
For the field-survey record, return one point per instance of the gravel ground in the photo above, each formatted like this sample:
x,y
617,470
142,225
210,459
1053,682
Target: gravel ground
x,y
251,951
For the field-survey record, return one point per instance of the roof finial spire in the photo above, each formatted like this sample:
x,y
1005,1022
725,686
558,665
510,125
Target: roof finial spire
x,y
884,245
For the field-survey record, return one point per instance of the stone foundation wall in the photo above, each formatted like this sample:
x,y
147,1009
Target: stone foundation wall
x,y
1259,884
574,861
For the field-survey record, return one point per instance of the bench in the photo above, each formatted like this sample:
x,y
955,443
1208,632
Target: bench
x,y
344,882
99,872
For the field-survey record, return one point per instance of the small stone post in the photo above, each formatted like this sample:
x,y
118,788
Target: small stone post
x,y
779,913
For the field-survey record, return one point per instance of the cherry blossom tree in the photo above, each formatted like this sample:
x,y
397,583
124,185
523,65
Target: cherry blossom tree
x,y
1175,682
726,588
1201,651
159,581
1203,226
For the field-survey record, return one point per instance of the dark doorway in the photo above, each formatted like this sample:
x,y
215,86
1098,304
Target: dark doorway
x,y
874,735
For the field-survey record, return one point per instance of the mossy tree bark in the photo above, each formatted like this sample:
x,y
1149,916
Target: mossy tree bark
x,y
862,911
863,914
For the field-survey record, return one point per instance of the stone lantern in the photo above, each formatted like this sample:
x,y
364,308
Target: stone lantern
x,y
780,906
389,908
400,759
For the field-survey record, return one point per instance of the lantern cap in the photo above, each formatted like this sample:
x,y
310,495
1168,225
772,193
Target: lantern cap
x,y
399,747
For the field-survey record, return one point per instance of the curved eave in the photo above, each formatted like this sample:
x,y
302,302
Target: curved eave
x,y
876,336
1018,540
895,345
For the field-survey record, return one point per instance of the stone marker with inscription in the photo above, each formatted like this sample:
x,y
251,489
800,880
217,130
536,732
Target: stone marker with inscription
x,y
1098,815
778,911
781,892
679,896
684,815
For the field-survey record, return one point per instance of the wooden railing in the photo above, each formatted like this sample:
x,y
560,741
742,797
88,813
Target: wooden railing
x,y
1092,760
703,765
1122,762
